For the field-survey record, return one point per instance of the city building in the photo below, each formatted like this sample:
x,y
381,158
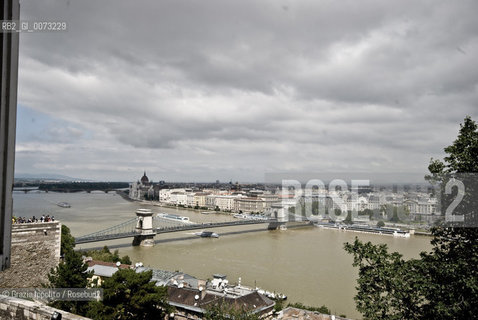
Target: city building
x,y
102,270
142,189
192,301
249,204
200,199
226,203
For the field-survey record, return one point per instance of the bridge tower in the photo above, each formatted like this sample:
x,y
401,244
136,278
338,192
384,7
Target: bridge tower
x,y
280,213
144,226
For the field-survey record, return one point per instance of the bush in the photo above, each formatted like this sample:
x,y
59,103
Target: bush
x,y
321,309
106,255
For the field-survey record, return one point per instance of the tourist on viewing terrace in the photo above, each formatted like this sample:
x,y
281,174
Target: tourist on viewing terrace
x,y
33,219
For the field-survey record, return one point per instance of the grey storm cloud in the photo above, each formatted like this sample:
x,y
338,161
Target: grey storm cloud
x,y
285,84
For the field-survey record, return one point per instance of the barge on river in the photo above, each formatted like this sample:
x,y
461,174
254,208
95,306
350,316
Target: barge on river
x,y
364,228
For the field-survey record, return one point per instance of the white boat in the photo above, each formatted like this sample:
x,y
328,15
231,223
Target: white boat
x,y
207,234
64,204
173,217
401,234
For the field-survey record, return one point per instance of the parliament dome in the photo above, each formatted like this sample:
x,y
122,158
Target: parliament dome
x,y
144,178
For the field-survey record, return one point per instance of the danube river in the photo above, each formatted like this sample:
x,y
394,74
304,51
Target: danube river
x,y
307,264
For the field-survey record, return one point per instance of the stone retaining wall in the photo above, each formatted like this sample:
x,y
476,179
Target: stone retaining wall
x,y
18,309
35,250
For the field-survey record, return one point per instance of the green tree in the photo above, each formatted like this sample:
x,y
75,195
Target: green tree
x,y
348,218
126,260
106,255
130,295
452,265
380,224
70,273
388,286
395,213
367,212
321,309
394,217
67,240
442,284
278,306
452,274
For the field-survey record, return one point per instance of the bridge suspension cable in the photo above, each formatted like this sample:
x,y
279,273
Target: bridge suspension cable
x,y
160,224
127,228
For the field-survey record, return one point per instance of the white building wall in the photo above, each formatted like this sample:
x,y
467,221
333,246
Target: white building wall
x,y
225,202
165,195
211,201
190,199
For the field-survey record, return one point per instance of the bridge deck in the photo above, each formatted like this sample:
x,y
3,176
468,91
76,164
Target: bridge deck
x,y
114,236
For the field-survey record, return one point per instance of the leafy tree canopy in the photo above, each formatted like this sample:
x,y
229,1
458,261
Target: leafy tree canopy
x,y
443,283
106,255
70,273
388,286
130,295
321,309
67,240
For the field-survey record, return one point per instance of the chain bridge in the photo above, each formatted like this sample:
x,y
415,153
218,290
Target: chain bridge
x,y
145,226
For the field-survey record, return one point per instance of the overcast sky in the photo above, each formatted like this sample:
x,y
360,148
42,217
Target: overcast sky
x,y
234,90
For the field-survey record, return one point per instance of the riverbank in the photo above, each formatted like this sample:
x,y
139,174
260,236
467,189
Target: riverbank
x,y
125,196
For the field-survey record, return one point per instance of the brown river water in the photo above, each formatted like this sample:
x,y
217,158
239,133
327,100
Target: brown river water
x,y
308,264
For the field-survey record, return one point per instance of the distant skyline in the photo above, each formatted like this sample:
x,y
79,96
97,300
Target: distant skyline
x,y
200,91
